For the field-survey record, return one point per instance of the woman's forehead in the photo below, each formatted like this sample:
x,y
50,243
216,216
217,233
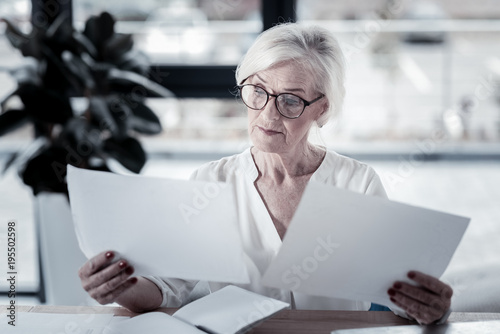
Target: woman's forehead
x,y
290,75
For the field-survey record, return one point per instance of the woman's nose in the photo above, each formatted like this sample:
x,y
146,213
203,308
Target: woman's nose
x,y
270,112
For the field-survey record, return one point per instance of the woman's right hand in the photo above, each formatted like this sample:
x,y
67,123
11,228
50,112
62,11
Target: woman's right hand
x,y
105,280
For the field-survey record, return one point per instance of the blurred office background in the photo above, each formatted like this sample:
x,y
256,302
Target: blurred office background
x,y
422,104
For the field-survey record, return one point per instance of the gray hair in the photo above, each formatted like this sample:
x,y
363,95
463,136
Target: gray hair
x,y
313,47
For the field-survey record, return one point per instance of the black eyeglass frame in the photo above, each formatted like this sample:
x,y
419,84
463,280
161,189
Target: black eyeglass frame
x,y
306,103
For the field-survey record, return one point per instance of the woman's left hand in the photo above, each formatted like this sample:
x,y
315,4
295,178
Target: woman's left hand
x,y
427,302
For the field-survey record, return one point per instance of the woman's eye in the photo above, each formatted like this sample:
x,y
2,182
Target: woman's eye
x,y
291,101
259,92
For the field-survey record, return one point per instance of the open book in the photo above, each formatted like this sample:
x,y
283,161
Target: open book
x,y
227,311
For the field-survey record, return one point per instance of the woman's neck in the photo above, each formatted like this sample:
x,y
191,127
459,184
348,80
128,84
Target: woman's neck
x,y
290,165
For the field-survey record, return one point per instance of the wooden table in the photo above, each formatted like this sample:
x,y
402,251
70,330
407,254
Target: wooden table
x,y
287,321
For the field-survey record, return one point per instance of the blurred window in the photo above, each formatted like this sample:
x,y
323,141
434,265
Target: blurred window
x,y
183,31
415,68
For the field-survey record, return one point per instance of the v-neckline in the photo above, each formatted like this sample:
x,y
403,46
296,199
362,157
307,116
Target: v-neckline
x,y
269,225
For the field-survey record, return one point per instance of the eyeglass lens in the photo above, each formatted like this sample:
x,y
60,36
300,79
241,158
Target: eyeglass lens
x,y
256,98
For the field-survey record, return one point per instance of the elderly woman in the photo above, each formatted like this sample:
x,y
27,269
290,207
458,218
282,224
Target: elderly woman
x,y
291,79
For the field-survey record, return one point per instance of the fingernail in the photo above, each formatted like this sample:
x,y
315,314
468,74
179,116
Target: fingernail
x,y
133,280
391,292
397,285
122,264
129,271
109,255
411,274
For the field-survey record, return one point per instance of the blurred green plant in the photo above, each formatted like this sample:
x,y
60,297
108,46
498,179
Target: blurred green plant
x,y
97,64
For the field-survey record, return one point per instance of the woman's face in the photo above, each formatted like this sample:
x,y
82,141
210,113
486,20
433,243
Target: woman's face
x,y
268,129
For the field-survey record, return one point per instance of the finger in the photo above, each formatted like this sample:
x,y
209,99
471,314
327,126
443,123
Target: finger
x,y
420,294
107,274
108,286
431,283
422,313
96,263
112,296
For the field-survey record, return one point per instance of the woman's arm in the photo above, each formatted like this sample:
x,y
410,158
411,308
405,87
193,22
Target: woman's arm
x,y
107,281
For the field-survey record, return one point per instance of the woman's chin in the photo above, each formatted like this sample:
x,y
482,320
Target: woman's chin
x,y
268,147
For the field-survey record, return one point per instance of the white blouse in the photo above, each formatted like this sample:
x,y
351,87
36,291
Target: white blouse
x,y
261,241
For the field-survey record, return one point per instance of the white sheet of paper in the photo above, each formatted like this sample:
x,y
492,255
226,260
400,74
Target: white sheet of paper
x,y
43,323
348,245
171,228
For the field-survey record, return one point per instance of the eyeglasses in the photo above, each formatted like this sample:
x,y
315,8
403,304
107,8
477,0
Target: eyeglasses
x,y
288,105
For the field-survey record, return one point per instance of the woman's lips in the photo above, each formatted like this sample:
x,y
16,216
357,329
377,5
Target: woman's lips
x,y
268,132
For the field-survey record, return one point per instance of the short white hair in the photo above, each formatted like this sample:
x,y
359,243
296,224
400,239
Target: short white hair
x,y
313,47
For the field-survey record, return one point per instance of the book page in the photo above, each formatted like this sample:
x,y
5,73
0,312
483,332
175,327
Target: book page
x,y
353,246
151,323
229,310
171,228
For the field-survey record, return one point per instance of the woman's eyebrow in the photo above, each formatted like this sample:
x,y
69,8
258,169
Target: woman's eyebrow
x,y
286,89
260,78
295,90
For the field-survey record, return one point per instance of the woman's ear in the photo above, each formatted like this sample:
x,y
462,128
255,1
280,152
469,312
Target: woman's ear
x,y
321,120
324,108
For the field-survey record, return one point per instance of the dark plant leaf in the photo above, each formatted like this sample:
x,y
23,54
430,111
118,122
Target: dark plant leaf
x,y
33,46
79,69
134,61
121,113
27,73
57,76
98,29
106,25
117,45
47,171
45,105
144,120
33,149
91,31
10,161
15,36
126,81
81,137
60,31
101,116
29,45
84,44
6,99
12,119
127,152
101,168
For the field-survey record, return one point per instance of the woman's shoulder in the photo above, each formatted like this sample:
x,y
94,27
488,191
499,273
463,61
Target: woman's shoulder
x,y
348,173
221,170
339,163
